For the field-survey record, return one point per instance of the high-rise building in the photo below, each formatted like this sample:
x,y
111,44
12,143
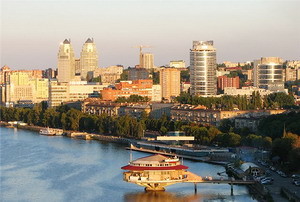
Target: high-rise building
x,y
66,62
170,82
177,64
146,60
268,73
88,58
203,68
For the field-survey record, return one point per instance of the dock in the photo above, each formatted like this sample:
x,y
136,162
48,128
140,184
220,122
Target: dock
x,y
194,158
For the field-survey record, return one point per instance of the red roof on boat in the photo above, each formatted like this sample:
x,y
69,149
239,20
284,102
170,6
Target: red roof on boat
x,y
177,167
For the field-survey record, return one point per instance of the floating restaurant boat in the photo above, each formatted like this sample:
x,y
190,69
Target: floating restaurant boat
x,y
157,171
51,131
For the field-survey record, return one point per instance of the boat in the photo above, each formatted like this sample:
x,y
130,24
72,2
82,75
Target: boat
x,y
47,131
172,160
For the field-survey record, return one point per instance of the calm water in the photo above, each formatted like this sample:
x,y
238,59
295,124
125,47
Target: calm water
x,y
41,168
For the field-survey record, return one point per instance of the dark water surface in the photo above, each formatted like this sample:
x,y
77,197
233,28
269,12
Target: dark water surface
x,y
41,168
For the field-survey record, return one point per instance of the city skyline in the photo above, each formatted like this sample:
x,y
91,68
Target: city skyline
x,y
32,30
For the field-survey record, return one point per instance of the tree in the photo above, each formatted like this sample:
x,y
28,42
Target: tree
x,y
228,139
294,159
184,76
155,76
281,147
124,75
163,130
226,125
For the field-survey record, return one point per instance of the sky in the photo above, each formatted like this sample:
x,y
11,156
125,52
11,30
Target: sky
x,y
242,30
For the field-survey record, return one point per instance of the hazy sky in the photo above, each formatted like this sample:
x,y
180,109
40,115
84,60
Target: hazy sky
x,y
242,30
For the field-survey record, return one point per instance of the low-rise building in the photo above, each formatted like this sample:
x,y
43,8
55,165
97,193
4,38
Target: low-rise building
x,y
97,106
247,122
108,75
225,81
73,91
247,90
126,88
138,74
160,109
201,115
251,169
135,110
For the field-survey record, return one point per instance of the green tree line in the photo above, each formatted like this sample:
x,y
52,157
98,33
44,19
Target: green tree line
x,y
72,119
228,102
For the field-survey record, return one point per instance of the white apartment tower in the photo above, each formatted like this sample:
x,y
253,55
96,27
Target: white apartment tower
x,y
203,68
88,58
146,60
66,62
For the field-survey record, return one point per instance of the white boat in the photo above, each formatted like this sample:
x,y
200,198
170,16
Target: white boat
x,y
172,160
47,131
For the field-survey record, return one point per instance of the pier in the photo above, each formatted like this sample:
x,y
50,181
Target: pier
x,y
195,158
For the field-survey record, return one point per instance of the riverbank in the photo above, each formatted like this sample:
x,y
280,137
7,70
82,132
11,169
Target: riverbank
x,y
82,135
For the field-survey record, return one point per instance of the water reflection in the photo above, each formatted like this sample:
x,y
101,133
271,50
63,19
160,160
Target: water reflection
x,y
161,197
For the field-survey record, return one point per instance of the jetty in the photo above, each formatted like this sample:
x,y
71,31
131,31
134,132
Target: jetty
x,y
194,158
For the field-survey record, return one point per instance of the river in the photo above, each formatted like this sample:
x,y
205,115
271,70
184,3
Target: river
x,y
41,168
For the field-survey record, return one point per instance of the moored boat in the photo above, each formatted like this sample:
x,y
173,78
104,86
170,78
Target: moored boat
x,y
47,131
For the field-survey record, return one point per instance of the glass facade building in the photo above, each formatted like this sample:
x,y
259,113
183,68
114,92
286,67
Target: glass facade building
x,y
203,68
268,73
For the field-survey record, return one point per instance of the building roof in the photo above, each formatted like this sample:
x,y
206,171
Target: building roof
x,y
246,166
66,41
5,68
176,167
157,158
89,40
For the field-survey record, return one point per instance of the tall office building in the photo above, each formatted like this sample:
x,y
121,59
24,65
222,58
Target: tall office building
x,y
170,82
88,58
268,73
203,68
146,60
66,62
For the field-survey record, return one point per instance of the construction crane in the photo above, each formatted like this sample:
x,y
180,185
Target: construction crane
x,y
141,47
